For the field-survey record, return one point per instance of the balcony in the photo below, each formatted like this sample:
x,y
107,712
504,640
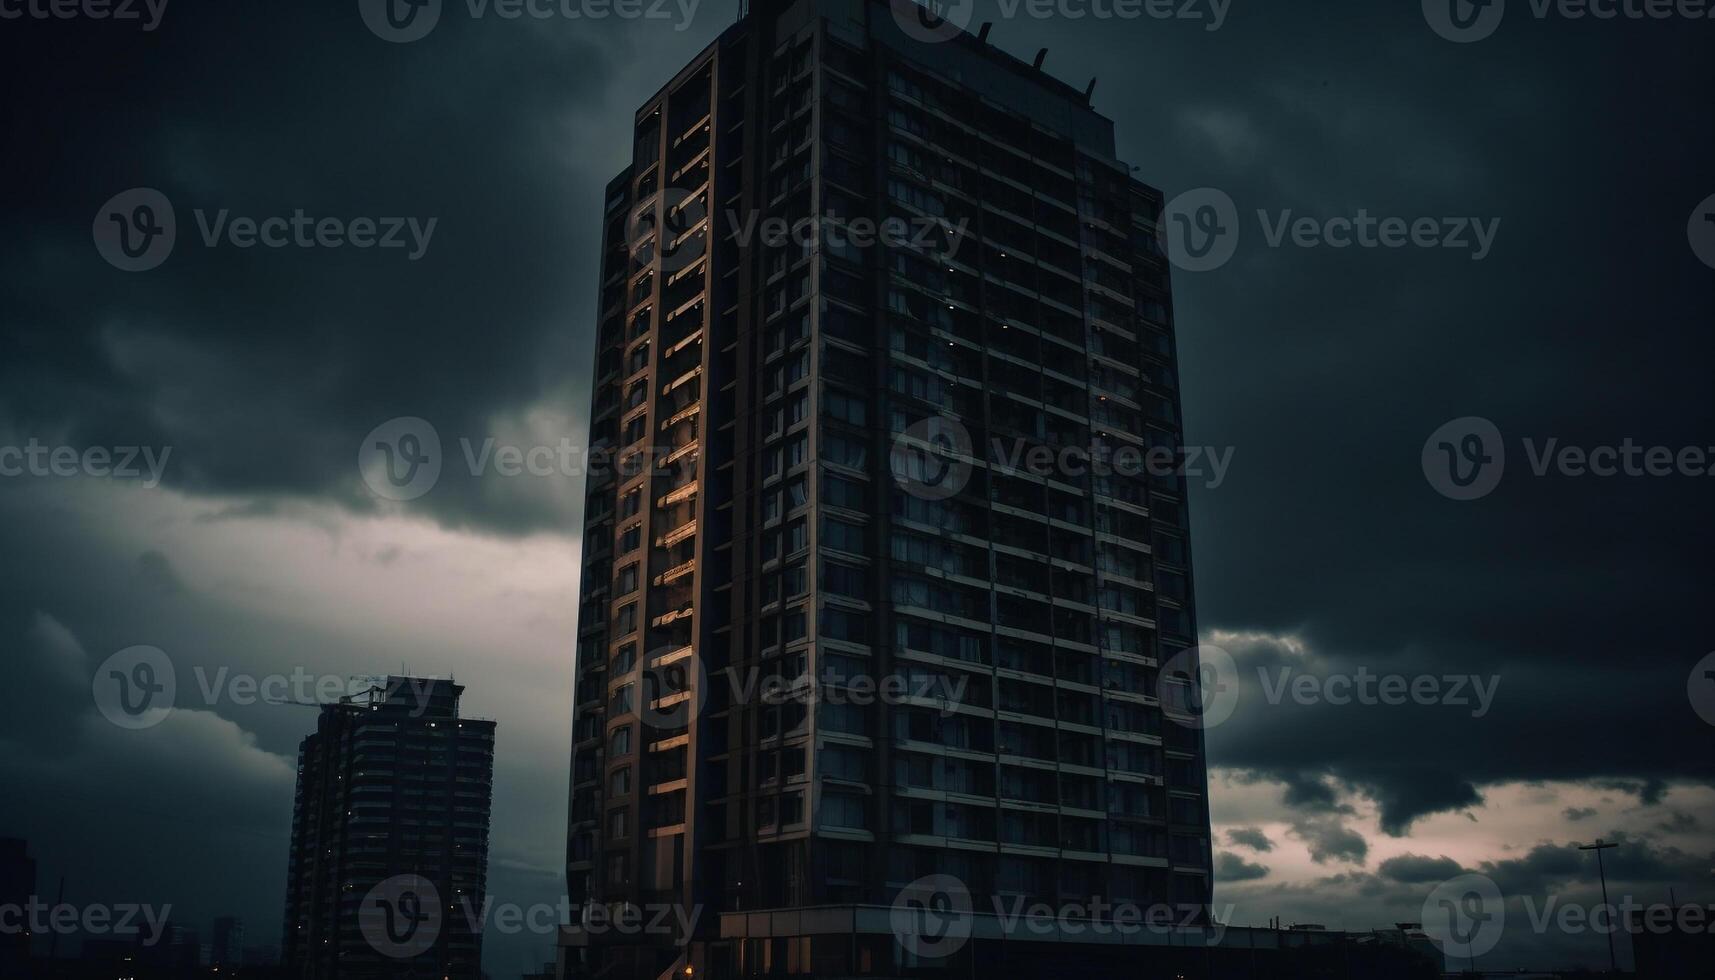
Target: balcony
x,y
677,495
676,573
672,656
683,532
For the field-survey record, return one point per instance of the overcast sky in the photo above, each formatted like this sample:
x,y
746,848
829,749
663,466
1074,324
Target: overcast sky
x,y
1578,602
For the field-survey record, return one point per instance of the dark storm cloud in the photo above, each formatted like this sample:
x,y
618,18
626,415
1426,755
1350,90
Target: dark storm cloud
x,y
1577,813
1327,369
1331,840
1401,755
1648,791
1405,793
264,368
1231,867
247,607
1304,791
1550,868
155,573
67,765
1250,837
1414,868
48,661
1679,822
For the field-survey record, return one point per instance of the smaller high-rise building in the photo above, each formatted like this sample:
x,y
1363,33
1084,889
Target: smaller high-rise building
x,y
389,854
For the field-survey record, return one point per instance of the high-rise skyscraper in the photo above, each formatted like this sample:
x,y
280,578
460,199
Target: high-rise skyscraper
x,y
880,584
389,853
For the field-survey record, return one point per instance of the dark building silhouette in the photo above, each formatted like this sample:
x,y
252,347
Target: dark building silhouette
x,y
390,837
226,950
979,270
1672,942
179,952
17,887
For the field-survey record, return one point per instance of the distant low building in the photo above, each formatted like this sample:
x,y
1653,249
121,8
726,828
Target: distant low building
x,y
1672,942
1410,935
17,885
227,947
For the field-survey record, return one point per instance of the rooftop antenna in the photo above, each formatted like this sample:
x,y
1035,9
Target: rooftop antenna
x,y
54,940
1600,846
983,31
1037,64
1090,89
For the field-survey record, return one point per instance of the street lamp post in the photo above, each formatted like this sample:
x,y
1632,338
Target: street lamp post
x,y
1599,847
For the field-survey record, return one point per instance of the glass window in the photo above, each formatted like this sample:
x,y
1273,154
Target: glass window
x,y
619,744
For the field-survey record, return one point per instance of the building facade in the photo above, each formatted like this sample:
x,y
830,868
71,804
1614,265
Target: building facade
x,y
871,593
390,837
